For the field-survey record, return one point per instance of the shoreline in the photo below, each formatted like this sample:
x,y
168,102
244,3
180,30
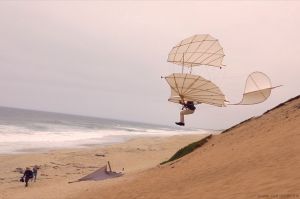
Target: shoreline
x,y
45,146
59,166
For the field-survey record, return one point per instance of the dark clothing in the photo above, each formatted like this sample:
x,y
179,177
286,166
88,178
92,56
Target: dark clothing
x,y
190,105
28,174
188,108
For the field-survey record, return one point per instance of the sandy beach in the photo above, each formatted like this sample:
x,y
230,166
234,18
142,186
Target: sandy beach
x,y
58,167
258,158
149,99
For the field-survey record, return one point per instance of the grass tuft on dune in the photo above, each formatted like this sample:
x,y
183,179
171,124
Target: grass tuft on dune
x,y
187,149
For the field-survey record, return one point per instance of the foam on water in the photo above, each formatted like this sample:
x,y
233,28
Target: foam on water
x,y
15,139
37,131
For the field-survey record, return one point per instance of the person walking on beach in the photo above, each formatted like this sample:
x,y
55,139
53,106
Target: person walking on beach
x,y
187,108
28,174
34,171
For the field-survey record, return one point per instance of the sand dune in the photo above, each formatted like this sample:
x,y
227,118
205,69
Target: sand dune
x,y
256,159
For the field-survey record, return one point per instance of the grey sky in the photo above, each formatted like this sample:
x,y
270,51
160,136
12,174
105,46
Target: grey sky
x,y
105,58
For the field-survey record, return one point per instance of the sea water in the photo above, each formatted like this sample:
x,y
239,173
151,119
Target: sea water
x,y
27,130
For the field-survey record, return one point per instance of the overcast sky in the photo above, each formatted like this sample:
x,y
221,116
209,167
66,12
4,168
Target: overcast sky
x,y
105,58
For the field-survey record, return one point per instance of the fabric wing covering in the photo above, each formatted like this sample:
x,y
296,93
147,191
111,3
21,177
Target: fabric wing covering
x,y
258,89
197,50
100,174
194,88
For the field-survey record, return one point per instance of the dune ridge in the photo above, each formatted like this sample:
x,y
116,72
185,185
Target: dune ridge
x,y
258,158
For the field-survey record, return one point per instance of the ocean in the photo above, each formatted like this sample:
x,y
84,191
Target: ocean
x,y
24,131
